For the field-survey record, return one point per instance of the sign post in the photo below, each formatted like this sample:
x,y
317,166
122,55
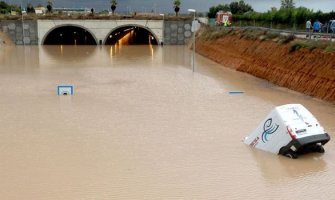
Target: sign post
x,y
193,29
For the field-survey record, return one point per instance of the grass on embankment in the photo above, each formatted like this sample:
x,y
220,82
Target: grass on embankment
x,y
326,46
211,34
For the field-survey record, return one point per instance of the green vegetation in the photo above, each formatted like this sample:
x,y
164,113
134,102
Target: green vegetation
x,y
6,8
30,8
285,39
330,48
49,6
176,4
287,16
287,4
326,46
239,7
211,34
234,7
272,35
113,6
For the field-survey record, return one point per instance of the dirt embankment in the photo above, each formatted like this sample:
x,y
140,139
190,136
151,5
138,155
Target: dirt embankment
x,y
305,71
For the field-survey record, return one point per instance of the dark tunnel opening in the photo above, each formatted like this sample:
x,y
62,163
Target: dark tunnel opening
x,y
69,35
131,35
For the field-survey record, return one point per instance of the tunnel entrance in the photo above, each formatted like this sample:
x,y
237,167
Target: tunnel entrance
x,y
69,35
131,35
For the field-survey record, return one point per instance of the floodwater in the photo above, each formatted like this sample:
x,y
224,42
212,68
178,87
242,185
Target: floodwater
x,y
141,125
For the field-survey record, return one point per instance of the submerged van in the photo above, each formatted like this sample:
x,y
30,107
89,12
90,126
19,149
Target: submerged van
x,y
289,130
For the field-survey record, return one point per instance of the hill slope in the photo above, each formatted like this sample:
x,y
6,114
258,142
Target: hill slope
x,y
311,72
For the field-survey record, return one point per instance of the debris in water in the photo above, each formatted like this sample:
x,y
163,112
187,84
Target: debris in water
x,y
235,92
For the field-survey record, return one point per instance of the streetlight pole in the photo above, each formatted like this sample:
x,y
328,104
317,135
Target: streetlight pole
x,y
193,30
24,43
162,42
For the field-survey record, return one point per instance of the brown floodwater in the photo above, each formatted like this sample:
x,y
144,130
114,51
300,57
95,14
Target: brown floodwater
x,y
141,125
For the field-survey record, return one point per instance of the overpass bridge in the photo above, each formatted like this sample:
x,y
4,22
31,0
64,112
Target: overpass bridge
x,y
38,32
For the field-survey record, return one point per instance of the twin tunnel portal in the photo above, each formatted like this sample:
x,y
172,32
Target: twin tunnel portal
x,y
75,35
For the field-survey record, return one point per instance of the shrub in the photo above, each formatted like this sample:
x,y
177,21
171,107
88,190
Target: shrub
x,y
272,35
311,45
284,39
330,48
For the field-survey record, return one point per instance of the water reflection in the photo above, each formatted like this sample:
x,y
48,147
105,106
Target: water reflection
x,y
13,57
276,167
177,56
68,53
119,52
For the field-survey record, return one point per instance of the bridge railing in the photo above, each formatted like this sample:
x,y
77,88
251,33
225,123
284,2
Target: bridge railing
x,y
298,33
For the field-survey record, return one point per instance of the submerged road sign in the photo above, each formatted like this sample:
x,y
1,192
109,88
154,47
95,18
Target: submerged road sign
x,y
65,90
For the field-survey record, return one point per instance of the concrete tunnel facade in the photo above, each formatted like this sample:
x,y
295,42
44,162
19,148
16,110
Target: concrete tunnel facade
x,y
99,29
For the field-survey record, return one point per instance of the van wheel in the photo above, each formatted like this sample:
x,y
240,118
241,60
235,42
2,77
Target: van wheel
x,y
292,155
319,148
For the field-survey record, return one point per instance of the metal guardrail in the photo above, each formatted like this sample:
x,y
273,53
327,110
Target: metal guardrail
x,y
283,32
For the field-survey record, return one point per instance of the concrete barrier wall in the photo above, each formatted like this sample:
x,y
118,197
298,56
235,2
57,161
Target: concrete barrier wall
x,y
21,33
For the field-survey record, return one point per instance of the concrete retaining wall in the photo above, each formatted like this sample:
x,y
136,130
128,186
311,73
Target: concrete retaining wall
x,y
177,32
20,36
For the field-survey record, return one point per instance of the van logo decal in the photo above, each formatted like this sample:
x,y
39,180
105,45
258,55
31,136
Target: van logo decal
x,y
269,129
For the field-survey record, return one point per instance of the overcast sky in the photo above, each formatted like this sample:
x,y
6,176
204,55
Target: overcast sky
x,y
166,6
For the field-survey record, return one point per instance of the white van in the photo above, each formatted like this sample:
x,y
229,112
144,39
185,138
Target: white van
x,y
289,130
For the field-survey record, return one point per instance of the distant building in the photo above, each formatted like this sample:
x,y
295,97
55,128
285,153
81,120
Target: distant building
x,y
150,14
13,13
40,10
72,10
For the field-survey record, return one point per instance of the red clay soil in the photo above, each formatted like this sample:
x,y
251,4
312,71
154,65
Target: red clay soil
x,y
305,71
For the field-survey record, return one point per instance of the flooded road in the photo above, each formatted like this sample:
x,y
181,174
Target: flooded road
x,y
141,125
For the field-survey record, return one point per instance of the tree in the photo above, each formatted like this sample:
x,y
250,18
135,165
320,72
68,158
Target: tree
x,y
49,6
177,4
4,7
240,7
274,9
244,7
113,6
213,10
301,15
287,4
30,8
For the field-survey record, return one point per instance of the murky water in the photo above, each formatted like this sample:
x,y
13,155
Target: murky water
x,y
141,125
